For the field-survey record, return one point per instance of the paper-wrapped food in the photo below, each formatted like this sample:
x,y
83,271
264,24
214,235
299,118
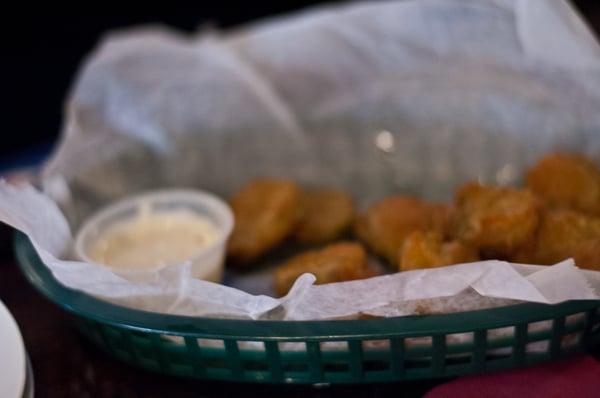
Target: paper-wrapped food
x,y
372,98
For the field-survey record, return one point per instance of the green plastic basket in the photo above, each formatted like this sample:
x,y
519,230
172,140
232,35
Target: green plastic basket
x,y
345,351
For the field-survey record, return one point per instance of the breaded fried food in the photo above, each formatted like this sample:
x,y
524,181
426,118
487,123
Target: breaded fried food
x,y
385,224
266,212
337,262
428,250
567,180
327,214
496,220
564,233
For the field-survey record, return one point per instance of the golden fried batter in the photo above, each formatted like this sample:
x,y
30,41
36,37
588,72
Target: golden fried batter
x,y
327,214
266,211
385,224
428,250
496,220
337,262
564,233
567,180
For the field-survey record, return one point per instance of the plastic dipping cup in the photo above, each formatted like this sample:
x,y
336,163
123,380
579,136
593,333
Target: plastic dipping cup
x,y
207,263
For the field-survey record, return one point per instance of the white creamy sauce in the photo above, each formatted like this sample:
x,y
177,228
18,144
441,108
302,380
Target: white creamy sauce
x,y
153,239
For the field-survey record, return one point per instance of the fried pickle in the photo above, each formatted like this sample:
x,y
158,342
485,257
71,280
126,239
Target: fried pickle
x,y
428,250
266,211
327,214
567,180
337,262
496,220
385,224
564,233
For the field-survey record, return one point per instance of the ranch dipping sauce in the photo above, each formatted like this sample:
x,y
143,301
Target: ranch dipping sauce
x,y
157,230
153,240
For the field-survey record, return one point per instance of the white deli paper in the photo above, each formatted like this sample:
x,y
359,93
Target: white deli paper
x,y
172,290
374,98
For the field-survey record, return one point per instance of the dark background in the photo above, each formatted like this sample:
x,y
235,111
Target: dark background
x,y
43,51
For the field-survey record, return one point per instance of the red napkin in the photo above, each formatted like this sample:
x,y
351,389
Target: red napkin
x,y
572,377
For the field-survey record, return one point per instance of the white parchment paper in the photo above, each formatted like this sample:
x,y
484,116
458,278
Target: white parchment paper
x,y
373,98
172,290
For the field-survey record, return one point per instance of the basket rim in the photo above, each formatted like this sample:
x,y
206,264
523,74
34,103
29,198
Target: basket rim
x,y
83,305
